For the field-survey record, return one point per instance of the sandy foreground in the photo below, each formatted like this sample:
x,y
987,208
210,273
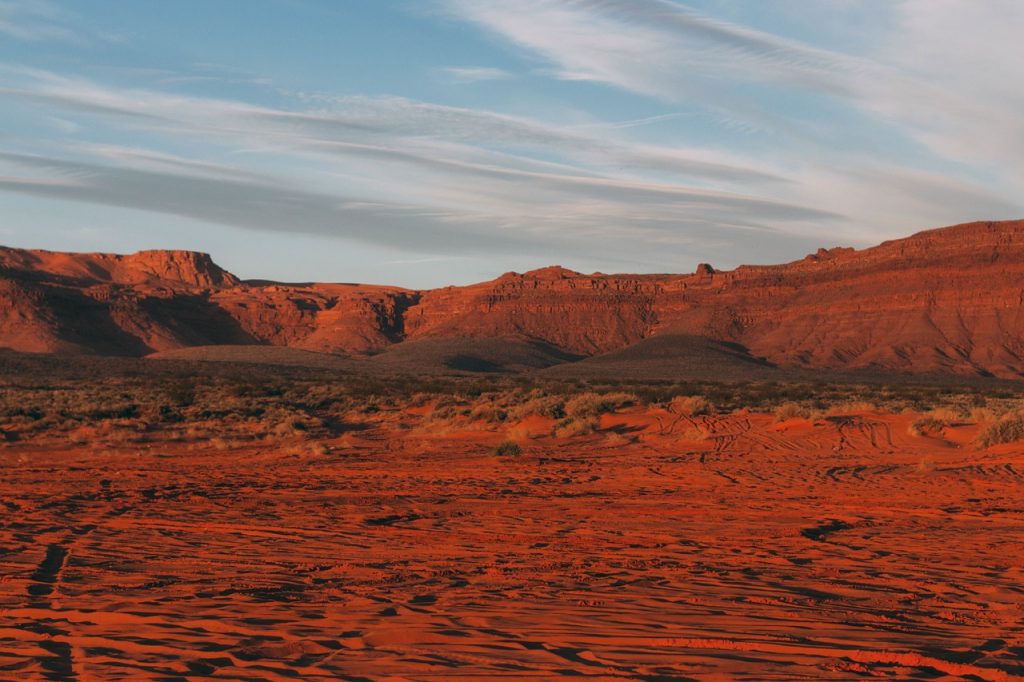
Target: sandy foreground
x,y
723,548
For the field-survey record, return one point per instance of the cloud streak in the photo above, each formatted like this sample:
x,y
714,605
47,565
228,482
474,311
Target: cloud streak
x,y
457,179
33,21
933,81
729,143
475,74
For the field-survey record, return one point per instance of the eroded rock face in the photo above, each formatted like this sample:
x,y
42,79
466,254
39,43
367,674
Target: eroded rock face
x,y
186,267
176,269
581,314
943,300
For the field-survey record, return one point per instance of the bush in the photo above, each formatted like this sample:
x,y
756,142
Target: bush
x,y
551,407
594,404
575,426
851,407
182,393
489,413
445,413
791,410
982,415
693,405
947,414
508,448
925,425
1008,429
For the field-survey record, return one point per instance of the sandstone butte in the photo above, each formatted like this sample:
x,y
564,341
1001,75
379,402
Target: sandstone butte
x,y
946,300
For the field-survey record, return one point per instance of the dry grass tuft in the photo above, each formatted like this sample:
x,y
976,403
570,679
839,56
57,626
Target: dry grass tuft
x,y
926,425
693,405
548,406
594,404
508,448
950,415
1008,429
489,413
616,439
982,415
575,426
851,407
791,410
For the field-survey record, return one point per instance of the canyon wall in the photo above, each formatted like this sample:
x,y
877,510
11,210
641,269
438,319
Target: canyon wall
x,y
942,300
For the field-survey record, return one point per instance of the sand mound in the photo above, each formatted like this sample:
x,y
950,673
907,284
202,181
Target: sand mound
x,y
468,355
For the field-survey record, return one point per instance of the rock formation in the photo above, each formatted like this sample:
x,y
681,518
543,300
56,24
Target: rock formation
x,y
946,300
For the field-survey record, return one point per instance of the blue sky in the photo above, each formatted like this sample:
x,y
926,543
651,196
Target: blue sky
x,y
433,142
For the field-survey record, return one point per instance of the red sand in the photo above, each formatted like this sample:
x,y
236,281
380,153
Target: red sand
x,y
840,550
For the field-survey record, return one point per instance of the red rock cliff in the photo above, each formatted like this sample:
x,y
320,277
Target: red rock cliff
x,y
947,300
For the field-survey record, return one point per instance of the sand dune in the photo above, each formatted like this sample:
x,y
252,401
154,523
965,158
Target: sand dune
x,y
706,548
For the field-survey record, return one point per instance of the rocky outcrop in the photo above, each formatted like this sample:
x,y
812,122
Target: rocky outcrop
x,y
948,300
174,269
581,314
178,267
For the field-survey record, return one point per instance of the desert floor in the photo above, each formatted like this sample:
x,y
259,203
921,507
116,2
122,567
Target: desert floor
x,y
718,548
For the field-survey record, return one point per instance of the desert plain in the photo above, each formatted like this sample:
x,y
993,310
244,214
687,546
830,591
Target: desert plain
x,y
511,340
290,523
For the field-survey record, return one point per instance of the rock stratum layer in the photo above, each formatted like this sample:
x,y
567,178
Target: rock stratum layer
x,y
946,300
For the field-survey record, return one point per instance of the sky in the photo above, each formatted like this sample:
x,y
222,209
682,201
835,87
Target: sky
x,y
423,143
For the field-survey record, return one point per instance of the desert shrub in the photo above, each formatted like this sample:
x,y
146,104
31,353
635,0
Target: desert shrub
x,y
615,439
575,426
182,393
445,413
164,413
419,399
950,415
583,405
791,410
1008,429
489,413
613,401
593,404
508,448
693,405
926,424
33,413
548,406
446,401
851,407
123,411
982,415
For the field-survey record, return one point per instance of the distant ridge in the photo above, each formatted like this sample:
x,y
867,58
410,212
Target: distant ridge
x,y
948,301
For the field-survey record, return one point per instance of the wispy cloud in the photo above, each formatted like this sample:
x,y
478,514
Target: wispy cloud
x,y
36,21
663,49
934,73
474,74
394,172
404,123
812,145
33,20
